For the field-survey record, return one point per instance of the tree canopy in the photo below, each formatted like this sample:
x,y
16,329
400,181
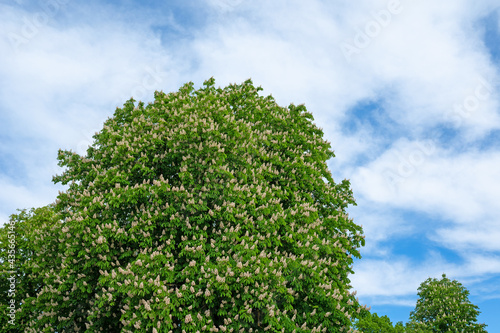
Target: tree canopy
x,y
206,210
444,306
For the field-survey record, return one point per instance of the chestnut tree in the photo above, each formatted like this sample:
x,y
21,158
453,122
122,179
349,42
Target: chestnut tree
x,y
444,306
205,210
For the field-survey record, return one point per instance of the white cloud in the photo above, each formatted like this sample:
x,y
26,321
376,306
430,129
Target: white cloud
x,y
483,235
424,177
389,278
395,281
22,197
429,59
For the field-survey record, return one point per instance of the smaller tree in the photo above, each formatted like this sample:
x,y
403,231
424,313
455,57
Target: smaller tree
x,y
444,306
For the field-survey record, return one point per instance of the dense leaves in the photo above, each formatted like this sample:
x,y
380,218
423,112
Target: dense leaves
x,y
444,306
23,258
372,323
207,210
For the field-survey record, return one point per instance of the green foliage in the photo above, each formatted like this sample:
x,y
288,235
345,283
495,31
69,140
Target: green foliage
x,y
444,306
207,210
372,323
22,259
412,328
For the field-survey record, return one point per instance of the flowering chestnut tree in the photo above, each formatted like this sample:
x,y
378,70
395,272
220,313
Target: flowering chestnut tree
x,y
444,306
206,210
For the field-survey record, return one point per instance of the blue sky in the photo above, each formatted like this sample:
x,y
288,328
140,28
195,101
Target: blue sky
x,y
407,92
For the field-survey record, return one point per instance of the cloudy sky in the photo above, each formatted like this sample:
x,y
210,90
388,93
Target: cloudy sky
x,y
406,91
